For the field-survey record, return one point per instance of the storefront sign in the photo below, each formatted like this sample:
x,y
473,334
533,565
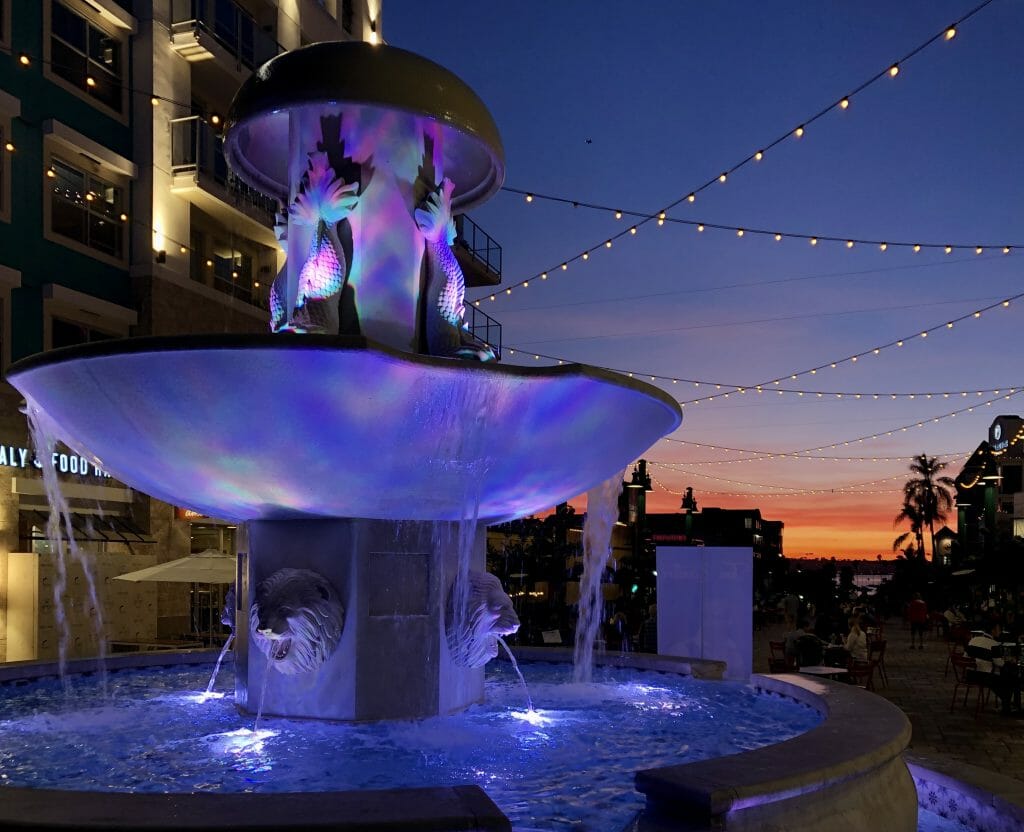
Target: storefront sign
x,y
13,456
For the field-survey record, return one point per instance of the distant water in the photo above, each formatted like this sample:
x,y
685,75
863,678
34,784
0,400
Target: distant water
x,y
567,765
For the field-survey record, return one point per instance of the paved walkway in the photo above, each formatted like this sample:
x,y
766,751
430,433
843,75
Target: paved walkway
x,y
917,686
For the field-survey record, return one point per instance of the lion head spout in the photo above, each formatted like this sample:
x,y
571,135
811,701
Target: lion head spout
x,y
296,621
473,635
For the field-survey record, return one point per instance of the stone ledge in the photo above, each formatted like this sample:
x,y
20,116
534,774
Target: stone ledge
x,y
19,671
854,749
993,800
439,809
681,665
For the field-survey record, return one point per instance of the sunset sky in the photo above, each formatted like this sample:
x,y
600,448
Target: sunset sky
x,y
634,107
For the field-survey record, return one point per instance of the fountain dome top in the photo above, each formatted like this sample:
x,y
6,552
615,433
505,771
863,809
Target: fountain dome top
x,y
362,80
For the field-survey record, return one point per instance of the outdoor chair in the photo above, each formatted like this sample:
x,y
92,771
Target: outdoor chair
x,y
957,642
862,674
963,670
777,659
876,653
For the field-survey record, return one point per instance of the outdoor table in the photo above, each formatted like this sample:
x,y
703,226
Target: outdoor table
x,y
822,670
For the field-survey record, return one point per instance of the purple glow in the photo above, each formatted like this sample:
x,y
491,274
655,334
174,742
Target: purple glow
x,y
279,428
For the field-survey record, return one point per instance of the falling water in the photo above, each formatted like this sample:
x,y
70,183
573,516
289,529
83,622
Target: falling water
x,y
216,667
263,693
602,512
61,535
460,413
519,673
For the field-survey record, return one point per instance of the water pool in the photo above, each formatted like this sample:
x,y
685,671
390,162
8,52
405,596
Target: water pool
x,y
569,765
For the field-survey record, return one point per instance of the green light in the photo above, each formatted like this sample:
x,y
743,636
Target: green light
x,y
634,588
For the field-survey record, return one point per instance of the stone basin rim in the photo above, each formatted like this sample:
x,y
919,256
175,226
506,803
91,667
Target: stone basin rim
x,y
328,343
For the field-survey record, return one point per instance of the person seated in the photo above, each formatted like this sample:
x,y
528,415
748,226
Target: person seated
x,y
992,669
857,641
793,636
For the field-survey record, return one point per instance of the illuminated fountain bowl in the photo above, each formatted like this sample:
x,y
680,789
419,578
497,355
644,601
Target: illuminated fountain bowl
x,y
840,770
256,427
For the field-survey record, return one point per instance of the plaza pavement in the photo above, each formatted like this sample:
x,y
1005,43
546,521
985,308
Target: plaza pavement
x,y
917,686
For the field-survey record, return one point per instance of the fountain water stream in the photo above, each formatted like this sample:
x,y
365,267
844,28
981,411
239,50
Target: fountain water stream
x,y
602,512
220,659
64,549
519,673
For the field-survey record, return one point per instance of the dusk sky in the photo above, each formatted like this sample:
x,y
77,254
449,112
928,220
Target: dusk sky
x,y
636,105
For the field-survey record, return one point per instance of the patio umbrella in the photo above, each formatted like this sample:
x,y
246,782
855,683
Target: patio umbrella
x,y
209,567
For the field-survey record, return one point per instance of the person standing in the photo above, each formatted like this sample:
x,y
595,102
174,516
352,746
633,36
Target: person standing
x,y
917,614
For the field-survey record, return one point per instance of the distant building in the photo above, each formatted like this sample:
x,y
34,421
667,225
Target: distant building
x,y
990,489
717,527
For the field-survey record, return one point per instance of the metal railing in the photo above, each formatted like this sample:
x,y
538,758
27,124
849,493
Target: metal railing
x,y
478,243
484,328
230,25
197,148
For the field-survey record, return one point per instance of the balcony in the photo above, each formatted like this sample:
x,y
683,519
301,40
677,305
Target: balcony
x,y
201,175
484,329
477,253
222,40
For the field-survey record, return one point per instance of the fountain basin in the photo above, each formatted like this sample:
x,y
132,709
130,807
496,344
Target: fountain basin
x,y
249,427
575,761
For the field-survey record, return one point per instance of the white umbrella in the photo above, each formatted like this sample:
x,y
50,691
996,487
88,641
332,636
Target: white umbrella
x,y
209,567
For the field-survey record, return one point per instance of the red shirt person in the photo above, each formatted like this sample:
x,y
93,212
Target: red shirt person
x,y
917,614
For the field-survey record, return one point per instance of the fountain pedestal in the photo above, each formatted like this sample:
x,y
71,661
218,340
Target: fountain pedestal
x,y
392,661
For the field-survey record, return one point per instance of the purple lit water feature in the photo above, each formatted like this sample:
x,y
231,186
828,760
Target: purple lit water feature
x,y
216,667
63,547
519,673
568,766
602,512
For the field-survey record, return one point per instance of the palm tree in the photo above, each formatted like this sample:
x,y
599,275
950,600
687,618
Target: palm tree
x,y
912,514
930,493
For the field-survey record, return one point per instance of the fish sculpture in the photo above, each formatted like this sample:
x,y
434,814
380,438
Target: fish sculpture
x,y
444,297
324,200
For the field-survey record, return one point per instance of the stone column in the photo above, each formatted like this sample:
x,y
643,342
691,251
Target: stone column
x,y
392,661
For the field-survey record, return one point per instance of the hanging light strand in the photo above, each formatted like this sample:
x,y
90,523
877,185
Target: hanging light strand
x,y
892,431
785,454
848,241
840,103
775,385
836,460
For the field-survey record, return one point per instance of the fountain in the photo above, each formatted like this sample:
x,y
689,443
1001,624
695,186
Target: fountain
x,y
364,443
370,436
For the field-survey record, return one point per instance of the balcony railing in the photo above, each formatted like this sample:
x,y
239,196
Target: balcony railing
x,y
227,23
479,244
196,148
484,328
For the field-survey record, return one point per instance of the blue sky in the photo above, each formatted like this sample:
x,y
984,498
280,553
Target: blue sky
x,y
668,95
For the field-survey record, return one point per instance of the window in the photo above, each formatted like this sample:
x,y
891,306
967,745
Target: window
x,y
87,209
65,333
88,58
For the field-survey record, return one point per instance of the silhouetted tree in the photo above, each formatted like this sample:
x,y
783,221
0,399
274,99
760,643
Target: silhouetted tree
x,y
930,493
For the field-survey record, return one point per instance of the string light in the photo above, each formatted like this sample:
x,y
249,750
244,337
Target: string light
x,y
894,70
897,343
24,59
758,154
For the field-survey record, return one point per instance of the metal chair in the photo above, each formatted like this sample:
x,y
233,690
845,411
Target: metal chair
x,y
778,662
876,653
964,669
862,674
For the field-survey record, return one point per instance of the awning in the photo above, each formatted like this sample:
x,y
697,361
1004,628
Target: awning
x,y
92,528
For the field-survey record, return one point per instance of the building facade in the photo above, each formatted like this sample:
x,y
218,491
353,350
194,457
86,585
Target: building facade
x,y
990,490
118,217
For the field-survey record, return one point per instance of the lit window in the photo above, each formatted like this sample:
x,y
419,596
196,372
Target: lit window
x,y
88,58
86,209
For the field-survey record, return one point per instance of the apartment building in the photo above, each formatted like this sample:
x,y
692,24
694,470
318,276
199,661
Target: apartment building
x,y
118,217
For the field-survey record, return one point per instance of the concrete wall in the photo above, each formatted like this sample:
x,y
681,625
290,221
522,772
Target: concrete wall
x,y
705,606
